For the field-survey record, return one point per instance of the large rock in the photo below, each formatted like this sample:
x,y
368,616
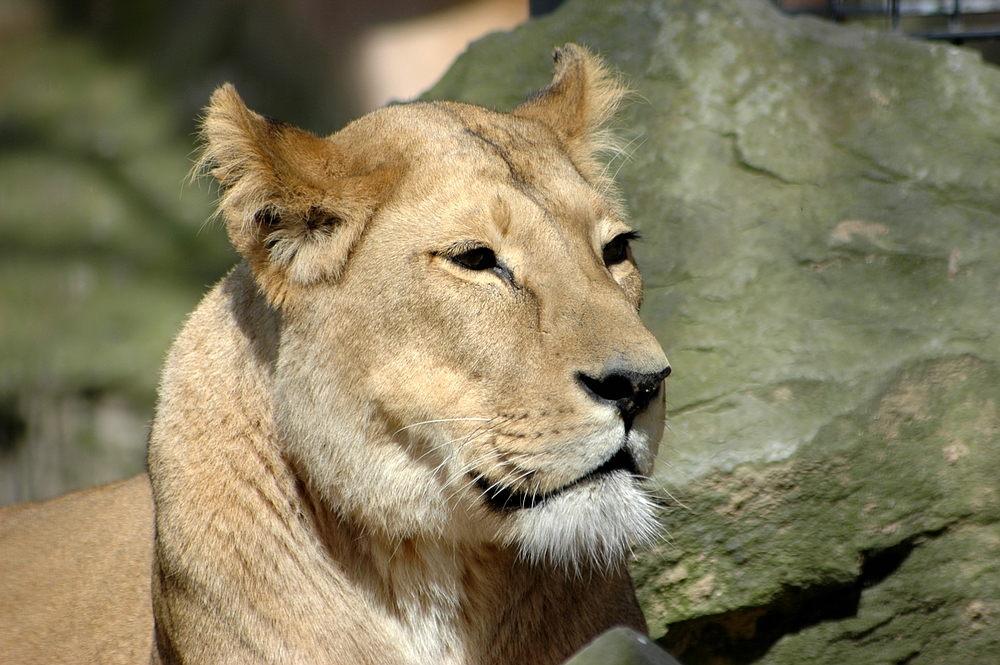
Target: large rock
x,y
821,207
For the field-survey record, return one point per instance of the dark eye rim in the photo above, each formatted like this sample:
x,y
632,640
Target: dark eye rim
x,y
476,258
616,250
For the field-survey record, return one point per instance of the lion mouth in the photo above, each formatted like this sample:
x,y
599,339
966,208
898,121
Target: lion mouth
x,y
507,499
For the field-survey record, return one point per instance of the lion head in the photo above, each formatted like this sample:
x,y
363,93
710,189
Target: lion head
x,y
459,353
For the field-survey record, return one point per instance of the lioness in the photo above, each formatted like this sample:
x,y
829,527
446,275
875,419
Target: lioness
x,y
409,428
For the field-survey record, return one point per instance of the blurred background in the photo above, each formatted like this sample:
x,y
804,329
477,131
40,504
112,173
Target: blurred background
x,y
104,249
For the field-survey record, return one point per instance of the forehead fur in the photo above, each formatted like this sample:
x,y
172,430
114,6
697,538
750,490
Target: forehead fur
x,y
461,143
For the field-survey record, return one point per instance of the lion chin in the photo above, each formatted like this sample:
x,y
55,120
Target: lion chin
x,y
596,520
413,425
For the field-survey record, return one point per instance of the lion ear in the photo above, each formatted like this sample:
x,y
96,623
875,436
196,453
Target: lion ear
x,y
294,204
577,105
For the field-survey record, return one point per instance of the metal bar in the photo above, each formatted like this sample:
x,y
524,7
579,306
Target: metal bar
x,y
960,34
902,8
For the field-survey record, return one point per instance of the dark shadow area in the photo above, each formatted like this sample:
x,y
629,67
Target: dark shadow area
x,y
12,425
289,60
743,636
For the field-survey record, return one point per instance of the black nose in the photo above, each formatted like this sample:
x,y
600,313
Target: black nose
x,y
631,392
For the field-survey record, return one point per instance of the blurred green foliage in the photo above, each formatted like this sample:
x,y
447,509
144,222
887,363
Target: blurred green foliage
x,y
103,251
103,248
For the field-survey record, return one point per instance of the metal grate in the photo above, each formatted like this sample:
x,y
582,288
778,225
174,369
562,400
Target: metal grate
x,y
953,20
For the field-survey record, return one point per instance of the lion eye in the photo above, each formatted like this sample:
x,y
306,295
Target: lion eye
x,y
479,258
616,251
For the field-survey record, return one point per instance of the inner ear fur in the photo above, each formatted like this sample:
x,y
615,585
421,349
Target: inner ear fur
x,y
294,204
577,106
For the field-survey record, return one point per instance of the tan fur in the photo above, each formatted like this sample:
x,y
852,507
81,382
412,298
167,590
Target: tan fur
x,y
342,417
75,577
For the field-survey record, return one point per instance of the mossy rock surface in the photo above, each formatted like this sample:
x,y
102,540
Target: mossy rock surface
x,y
821,212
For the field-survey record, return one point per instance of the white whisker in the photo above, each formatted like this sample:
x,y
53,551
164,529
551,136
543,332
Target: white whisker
x,y
674,499
619,153
440,420
628,157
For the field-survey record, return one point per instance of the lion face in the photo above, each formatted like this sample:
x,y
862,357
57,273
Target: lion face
x,y
461,354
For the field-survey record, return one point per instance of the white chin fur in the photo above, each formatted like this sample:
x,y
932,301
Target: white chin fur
x,y
597,522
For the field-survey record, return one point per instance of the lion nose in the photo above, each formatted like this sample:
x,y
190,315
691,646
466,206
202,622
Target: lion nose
x,y
630,392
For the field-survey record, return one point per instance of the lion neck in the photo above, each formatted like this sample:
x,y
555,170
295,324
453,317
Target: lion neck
x,y
445,599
